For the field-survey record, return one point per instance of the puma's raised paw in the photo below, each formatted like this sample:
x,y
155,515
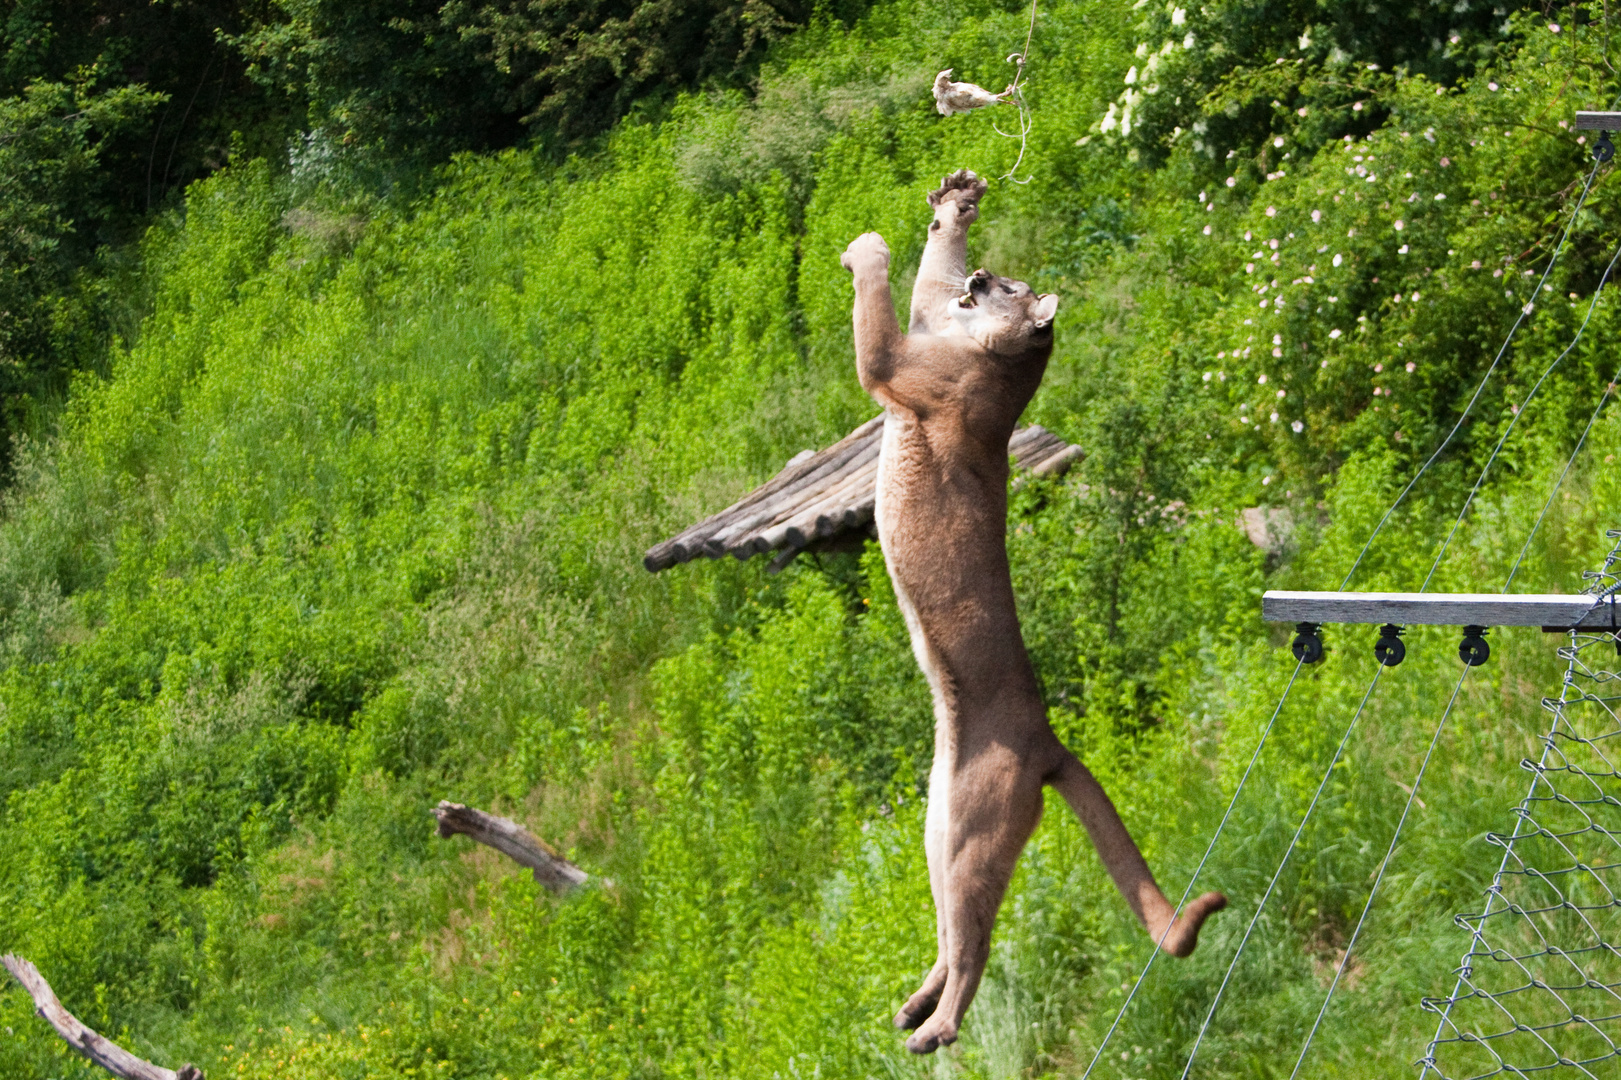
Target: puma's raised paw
x,y
932,1036
1184,935
867,249
963,186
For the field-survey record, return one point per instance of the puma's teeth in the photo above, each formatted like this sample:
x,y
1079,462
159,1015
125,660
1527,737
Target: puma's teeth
x,y
966,300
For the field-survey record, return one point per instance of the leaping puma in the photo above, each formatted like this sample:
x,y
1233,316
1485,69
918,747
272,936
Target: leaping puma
x,y
952,389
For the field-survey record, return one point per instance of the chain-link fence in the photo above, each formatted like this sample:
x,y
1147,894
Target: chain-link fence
x,y
1538,992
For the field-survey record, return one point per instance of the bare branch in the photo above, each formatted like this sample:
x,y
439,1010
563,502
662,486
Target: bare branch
x,y
109,1055
511,839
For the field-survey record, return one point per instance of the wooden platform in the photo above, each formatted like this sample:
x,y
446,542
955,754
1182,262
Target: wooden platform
x,y
823,501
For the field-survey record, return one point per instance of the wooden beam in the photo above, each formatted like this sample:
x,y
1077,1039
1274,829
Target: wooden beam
x,y
104,1052
513,840
1441,609
1598,121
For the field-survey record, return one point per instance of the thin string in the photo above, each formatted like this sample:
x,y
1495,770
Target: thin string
x,y
1604,398
1015,93
1524,405
1447,712
1293,843
1524,312
1187,892
1426,1063
1412,796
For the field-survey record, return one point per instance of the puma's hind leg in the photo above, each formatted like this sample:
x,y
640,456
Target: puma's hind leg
x,y
993,814
921,1005
1177,935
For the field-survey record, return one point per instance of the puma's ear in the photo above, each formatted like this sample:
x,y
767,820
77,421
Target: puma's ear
x,y
1046,308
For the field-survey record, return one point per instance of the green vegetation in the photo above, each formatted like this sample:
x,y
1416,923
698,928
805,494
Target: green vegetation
x,y
348,516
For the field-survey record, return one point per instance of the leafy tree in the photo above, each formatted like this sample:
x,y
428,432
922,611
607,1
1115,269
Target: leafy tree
x,y
52,194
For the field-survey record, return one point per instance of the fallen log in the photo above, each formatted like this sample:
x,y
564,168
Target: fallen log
x,y
513,840
102,1051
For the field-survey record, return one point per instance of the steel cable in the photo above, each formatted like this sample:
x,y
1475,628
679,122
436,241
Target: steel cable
x,y
1220,826
1501,352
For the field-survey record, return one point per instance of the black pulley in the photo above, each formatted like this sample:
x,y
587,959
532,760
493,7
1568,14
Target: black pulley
x,y
1603,149
1308,645
1473,649
1389,649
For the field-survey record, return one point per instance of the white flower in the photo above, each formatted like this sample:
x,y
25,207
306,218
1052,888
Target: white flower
x,y
1266,480
1274,418
1492,87
1187,42
1179,16
1411,366
1338,258
1281,394
1277,351
1297,427
1272,211
1232,181
1207,376
1249,268
1402,250
1553,28
1440,196
1331,334
1131,75
1357,107
1316,216
1277,141
1415,298
1261,380
1207,230
1400,224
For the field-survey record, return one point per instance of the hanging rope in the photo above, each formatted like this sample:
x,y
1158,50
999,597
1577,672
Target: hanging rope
x,y
1015,94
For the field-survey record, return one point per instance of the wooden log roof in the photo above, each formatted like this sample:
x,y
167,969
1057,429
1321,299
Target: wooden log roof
x,y
823,501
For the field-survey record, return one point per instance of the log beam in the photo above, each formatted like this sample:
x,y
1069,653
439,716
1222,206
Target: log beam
x,y
100,1050
513,840
1442,609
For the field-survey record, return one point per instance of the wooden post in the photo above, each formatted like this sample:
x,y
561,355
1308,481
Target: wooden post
x,y
513,840
104,1052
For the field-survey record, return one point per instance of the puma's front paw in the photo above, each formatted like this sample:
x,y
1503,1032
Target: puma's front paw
x,y
961,191
866,250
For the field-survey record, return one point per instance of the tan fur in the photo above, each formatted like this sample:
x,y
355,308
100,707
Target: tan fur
x,y
952,390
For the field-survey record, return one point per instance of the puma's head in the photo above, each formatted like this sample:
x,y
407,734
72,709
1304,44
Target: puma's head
x,y
1006,317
